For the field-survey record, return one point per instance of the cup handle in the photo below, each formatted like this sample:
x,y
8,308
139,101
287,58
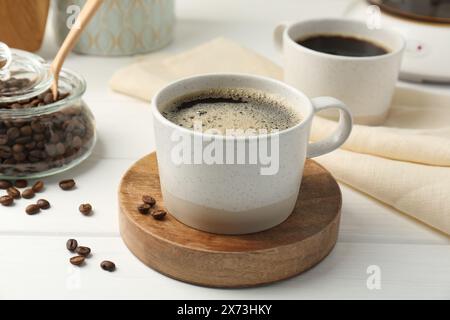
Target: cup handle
x,y
278,35
341,133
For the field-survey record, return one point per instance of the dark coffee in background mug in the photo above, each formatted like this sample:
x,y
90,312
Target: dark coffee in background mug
x,y
360,66
342,45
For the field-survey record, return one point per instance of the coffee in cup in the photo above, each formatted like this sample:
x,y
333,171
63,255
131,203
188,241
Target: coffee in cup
x,y
231,110
343,45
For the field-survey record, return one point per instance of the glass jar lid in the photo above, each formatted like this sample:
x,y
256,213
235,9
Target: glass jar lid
x,y
23,75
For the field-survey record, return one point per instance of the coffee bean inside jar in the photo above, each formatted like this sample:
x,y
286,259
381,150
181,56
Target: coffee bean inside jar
x,y
40,135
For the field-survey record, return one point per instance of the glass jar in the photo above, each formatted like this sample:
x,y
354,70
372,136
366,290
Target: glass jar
x,y
38,139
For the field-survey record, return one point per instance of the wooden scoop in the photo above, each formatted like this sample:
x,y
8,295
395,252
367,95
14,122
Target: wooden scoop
x,y
88,11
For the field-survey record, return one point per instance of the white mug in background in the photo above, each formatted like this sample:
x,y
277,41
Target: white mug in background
x,y
238,198
365,84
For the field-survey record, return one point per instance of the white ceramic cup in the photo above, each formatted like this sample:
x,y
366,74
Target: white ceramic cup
x,y
365,84
238,198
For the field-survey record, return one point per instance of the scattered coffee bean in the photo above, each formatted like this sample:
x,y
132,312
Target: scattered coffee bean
x,y
144,208
67,184
5,184
85,209
38,186
43,204
28,194
159,214
149,200
108,266
77,261
13,192
32,209
6,201
21,184
71,244
83,251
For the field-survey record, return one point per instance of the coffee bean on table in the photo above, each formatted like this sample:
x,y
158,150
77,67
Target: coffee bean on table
x,y
144,208
77,261
13,192
159,214
5,184
83,251
43,204
85,209
28,193
67,184
71,244
6,201
32,209
149,200
21,184
38,186
108,266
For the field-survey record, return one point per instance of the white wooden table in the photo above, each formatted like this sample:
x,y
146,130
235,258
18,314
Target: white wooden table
x,y
414,260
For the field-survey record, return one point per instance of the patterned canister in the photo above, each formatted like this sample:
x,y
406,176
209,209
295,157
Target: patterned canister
x,y
120,27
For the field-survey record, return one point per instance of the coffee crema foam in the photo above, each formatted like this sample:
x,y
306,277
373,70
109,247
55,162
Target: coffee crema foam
x,y
229,109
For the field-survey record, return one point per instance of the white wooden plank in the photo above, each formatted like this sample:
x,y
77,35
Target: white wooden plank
x,y
363,219
124,127
97,183
38,267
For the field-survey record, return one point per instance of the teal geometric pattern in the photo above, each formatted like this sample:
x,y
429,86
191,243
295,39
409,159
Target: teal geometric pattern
x,y
120,27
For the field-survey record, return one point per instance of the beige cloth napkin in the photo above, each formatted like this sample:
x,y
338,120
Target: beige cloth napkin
x,y
405,163
147,76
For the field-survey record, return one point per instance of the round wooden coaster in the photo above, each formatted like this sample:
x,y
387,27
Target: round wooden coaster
x,y
212,260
